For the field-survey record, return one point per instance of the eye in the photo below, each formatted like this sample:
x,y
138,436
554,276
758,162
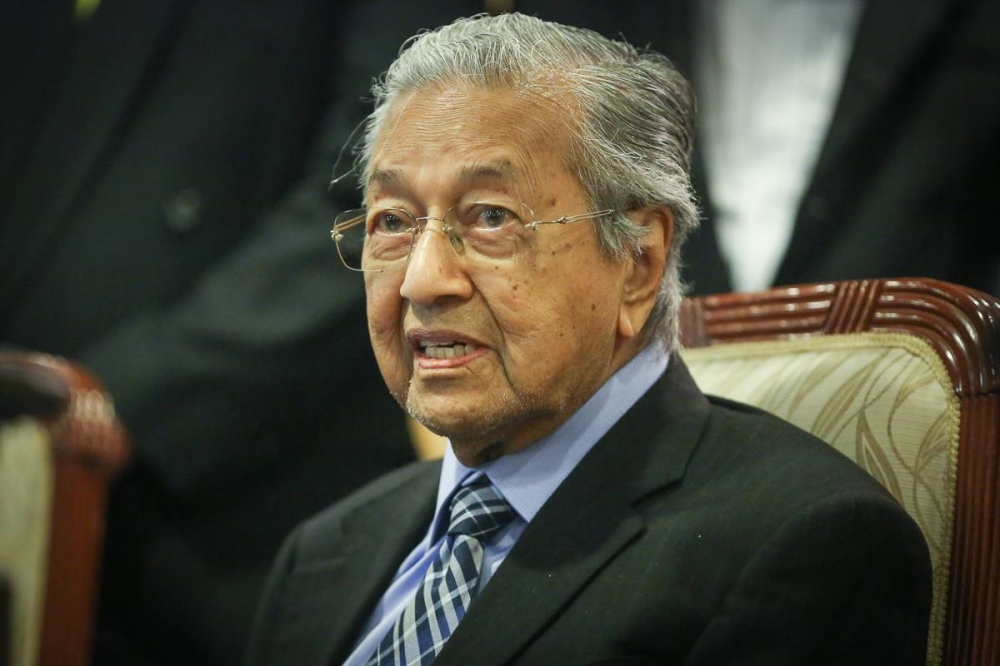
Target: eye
x,y
389,221
487,216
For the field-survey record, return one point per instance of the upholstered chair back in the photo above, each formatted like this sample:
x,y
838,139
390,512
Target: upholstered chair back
x,y
901,376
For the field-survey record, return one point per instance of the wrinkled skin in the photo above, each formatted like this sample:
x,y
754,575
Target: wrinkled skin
x,y
535,336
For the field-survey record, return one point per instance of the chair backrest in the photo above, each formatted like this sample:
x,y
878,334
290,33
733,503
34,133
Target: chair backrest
x,y
59,444
902,376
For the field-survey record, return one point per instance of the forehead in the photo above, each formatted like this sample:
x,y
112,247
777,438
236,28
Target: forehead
x,y
455,137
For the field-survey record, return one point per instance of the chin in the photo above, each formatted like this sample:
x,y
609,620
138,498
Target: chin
x,y
479,452
449,424
451,420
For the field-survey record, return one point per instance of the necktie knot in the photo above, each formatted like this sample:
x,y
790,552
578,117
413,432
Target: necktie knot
x,y
479,510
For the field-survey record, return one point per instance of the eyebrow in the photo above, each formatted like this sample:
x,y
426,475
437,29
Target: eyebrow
x,y
391,178
502,171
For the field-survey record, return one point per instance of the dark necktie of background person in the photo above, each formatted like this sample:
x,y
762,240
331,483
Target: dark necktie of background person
x,y
478,512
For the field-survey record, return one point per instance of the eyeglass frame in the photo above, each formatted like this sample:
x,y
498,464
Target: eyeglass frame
x,y
417,228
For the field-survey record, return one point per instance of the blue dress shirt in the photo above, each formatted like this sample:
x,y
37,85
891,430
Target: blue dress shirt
x,y
526,479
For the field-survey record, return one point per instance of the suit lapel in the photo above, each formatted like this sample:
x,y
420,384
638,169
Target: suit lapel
x,y
113,54
885,46
586,523
315,626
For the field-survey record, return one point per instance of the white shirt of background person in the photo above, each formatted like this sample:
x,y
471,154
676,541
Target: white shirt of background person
x,y
768,74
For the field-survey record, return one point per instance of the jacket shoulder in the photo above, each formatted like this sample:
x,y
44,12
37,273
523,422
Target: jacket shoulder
x,y
415,483
758,444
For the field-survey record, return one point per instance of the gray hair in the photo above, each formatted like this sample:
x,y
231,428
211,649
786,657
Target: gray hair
x,y
633,126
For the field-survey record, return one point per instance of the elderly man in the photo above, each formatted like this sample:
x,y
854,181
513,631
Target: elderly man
x,y
527,194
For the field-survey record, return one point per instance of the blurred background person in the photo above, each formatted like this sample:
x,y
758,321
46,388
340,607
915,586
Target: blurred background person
x,y
164,218
838,139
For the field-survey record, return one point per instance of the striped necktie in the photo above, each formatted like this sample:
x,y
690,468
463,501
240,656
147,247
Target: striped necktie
x,y
478,512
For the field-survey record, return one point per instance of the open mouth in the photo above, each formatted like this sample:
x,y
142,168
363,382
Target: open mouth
x,y
443,350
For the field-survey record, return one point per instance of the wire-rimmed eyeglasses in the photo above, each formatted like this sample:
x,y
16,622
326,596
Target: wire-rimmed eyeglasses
x,y
381,239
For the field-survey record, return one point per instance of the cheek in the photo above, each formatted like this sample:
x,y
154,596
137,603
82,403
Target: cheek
x,y
577,310
384,316
383,303
519,307
552,308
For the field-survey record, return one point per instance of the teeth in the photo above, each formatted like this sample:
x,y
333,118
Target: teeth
x,y
442,350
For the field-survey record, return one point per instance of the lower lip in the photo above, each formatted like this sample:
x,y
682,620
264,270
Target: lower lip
x,y
428,363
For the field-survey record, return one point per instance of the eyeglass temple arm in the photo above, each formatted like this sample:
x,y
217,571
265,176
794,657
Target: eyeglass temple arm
x,y
345,225
567,219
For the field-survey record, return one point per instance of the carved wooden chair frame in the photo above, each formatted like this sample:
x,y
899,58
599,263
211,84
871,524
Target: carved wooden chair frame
x,y
88,446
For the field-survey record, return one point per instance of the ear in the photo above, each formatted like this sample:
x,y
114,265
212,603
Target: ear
x,y
645,270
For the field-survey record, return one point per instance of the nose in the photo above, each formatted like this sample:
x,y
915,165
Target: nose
x,y
435,271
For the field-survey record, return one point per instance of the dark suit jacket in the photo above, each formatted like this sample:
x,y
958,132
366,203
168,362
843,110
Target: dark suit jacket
x,y
164,218
905,181
697,531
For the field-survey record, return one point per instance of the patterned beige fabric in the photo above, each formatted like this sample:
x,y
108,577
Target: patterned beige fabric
x,y
25,508
884,400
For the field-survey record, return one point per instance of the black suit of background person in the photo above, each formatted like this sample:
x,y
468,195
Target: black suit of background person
x,y
164,218
905,182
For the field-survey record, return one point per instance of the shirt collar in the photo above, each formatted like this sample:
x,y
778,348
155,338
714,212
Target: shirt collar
x,y
528,477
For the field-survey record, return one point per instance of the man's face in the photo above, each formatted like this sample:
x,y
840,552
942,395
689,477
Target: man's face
x,y
529,338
